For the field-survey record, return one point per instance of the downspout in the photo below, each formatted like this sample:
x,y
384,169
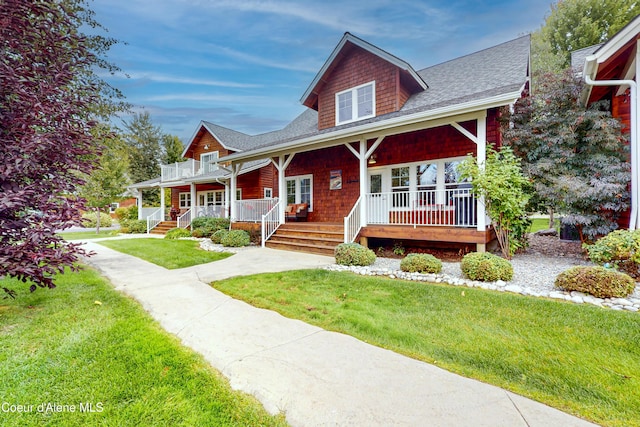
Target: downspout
x,y
633,220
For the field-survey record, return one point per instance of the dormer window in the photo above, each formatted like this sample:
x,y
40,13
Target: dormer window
x,y
356,103
209,162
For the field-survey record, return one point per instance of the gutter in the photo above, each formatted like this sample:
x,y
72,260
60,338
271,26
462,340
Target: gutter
x,y
591,68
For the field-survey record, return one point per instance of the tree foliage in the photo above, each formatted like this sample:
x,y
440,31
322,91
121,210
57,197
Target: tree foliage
x,y
143,143
576,24
504,189
172,148
50,96
576,158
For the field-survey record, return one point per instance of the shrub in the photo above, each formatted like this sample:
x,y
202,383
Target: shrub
x,y
218,235
90,219
121,213
421,263
198,233
176,233
354,254
206,226
133,226
486,267
597,281
236,239
620,248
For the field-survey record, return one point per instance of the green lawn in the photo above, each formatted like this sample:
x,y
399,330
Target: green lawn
x,y
541,224
581,359
89,234
84,343
167,253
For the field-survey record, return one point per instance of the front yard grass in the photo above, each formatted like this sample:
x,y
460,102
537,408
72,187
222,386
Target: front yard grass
x,y
170,254
84,343
88,235
580,359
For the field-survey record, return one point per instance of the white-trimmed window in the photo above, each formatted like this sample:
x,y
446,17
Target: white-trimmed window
x,y
209,162
238,193
300,189
356,103
185,200
268,193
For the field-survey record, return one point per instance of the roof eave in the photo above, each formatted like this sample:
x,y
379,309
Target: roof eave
x,y
371,129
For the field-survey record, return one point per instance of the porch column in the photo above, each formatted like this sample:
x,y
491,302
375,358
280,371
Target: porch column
x,y
233,190
362,160
162,206
194,200
227,200
282,187
481,157
139,203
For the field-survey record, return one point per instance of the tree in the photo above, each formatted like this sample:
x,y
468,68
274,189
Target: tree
x,y
108,181
576,158
50,96
500,183
143,141
173,148
576,24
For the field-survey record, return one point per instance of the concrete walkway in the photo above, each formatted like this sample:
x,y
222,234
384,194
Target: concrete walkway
x,y
315,377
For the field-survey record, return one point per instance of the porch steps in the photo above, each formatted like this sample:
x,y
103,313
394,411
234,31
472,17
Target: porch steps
x,y
163,227
312,237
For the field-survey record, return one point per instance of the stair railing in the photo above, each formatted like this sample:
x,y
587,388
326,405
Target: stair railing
x,y
270,223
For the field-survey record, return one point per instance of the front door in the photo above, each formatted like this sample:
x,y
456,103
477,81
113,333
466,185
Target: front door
x,y
378,205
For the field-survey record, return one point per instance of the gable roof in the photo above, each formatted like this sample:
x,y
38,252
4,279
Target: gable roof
x,y
309,98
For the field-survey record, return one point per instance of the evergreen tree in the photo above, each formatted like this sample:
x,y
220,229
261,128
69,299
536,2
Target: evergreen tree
x,y
143,142
173,148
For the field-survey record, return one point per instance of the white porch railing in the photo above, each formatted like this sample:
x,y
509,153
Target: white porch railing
x,y
452,207
270,223
154,219
180,170
210,211
184,220
251,210
352,223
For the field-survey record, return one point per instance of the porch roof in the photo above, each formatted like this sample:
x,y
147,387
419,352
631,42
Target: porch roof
x,y
486,79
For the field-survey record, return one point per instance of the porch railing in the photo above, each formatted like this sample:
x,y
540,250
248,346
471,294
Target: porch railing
x,y
154,219
210,211
180,170
252,210
184,220
352,224
452,207
270,223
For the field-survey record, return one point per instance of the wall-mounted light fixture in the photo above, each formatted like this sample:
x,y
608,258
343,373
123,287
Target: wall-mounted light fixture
x,y
206,147
372,159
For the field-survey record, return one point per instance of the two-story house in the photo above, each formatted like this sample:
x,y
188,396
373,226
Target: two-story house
x,y
373,156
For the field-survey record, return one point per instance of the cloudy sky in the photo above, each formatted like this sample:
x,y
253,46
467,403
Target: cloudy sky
x,y
244,64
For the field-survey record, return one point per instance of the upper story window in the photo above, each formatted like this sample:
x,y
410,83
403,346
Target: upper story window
x,y
356,103
209,162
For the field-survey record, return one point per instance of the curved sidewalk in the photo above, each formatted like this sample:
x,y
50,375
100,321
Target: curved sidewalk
x,y
315,377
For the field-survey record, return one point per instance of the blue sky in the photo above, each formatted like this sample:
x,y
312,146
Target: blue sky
x,y
244,64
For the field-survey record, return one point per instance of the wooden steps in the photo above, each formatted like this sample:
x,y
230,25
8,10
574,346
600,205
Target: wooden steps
x,y
312,237
163,227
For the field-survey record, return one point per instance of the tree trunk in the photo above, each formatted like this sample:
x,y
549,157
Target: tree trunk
x,y
551,219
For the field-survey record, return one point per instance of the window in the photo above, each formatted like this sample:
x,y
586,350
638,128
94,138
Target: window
x,y
400,182
185,200
209,162
300,190
427,180
268,193
113,207
239,194
452,177
356,103
211,198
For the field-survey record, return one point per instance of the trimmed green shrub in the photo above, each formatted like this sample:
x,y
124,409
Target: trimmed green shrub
x,y
354,254
123,214
620,248
89,219
421,263
133,226
236,239
486,267
597,281
177,233
218,235
206,226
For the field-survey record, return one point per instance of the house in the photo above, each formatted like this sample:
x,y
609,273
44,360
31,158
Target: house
x,y
373,156
610,72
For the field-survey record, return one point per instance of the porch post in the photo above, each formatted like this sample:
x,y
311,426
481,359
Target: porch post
x,y
194,200
363,182
162,206
139,196
481,156
232,190
282,187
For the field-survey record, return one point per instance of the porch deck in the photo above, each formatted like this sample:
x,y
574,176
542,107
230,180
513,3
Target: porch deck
x,y
429,233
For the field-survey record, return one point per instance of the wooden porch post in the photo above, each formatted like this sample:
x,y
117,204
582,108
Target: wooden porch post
x,y
481,157
194,200
233,191
281,165
362,158
139,196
